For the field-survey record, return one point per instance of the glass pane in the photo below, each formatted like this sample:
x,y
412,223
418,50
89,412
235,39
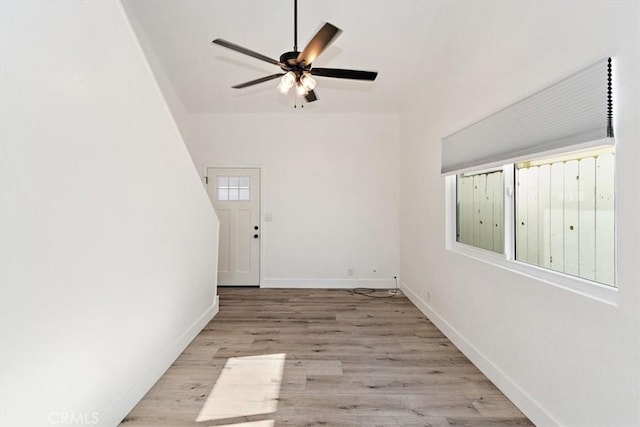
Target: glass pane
x,y
223,181
479,213
233,194
565,211
244,194
223,194
245,181
233,181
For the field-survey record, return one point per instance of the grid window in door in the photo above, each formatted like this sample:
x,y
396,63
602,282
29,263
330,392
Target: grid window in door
x,y
234,188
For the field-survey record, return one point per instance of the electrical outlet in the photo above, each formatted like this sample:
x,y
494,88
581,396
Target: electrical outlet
x,y
349,271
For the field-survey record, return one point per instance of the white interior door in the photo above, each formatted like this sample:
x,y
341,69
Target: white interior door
x,y
235,194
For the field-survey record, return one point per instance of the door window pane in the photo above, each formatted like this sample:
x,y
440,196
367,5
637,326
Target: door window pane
x,y
234,188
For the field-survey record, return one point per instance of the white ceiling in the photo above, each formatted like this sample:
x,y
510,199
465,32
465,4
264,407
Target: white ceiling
x,y
388,36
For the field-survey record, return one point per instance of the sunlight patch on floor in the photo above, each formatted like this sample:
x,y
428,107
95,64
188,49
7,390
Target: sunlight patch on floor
x,y
264,423
247,386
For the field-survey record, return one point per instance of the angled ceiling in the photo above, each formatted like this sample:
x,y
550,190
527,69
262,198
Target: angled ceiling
x,y
390,37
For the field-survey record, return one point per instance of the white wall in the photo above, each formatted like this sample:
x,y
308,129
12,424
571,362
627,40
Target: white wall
x,y
170,95
109,241
330,183
563,358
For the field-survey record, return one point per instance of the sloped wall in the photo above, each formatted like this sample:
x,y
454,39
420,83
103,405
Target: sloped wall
x,y
109,241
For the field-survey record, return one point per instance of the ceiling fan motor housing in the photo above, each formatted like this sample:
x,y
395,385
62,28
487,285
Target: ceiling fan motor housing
x,y
290,60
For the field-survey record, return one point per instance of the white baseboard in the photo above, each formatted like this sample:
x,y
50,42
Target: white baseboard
x,y
517,395
119,410
328,283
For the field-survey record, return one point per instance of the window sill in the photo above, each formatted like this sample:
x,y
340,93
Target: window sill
x,y
595,291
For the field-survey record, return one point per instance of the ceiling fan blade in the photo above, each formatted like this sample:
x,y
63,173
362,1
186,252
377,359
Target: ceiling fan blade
x,y
246,51
318,43
311,96
257,81
344,74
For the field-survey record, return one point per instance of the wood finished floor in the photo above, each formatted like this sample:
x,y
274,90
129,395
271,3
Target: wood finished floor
x,y
350,361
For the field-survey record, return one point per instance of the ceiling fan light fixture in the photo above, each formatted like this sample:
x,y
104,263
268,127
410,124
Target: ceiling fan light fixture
x,y
308,82
283,89
301,89
286,82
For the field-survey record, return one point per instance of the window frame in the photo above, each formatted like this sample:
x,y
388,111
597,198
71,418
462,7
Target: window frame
x,y
599,292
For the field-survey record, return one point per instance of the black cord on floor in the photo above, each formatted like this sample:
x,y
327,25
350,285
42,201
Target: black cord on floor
x,y
367,292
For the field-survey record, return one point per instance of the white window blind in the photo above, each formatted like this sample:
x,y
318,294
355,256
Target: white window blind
x,y
574,111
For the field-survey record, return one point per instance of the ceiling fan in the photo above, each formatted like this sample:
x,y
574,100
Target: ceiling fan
x,y
297,66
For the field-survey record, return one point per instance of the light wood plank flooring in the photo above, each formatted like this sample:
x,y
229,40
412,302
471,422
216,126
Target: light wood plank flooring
x,y
346,360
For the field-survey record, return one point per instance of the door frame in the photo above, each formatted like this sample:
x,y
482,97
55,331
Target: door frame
x,y
261,220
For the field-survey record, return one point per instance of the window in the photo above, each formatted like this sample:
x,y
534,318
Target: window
x,y
479,216
234,188
530,188
555,213
564,217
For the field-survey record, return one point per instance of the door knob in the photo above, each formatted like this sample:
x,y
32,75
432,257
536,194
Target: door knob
x,y
255,236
